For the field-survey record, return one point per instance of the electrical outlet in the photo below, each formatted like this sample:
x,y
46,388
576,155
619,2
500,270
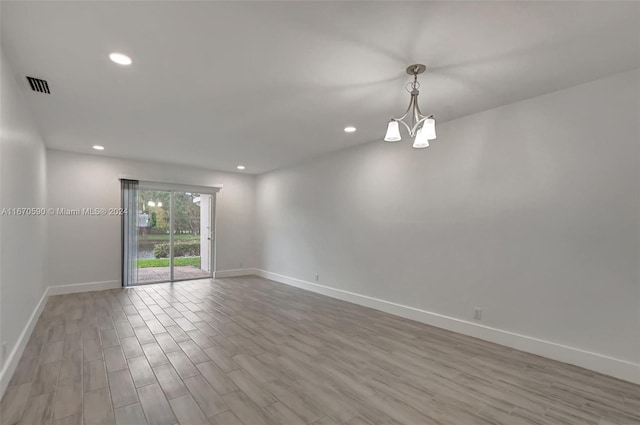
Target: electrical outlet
x,y
477,314
317,277
241,265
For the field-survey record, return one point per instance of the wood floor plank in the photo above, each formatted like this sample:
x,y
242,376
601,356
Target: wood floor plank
x,y
254,368
245,409
195,354
124,330
225,418
188,411
69,420
295,401
247,351
98,409
141,371
199,338
123,392
143,334
45,378
24,371
167,343
109,338
155,326
114,359
155,405
177,333
68,400
206,397
280,414
252,389
154,354
33,348
170,381
131,347
38,409
70,368
182,364
222,359
92,349
216,378
130,415
184,324
165,319
52,352
326,420
13,403
95,375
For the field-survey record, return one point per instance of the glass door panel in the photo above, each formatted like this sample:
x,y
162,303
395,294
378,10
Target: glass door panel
x,y
191,242
154,222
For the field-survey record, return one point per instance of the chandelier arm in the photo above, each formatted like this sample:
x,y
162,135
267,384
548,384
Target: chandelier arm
x,y
406,112
414,130
417,117
416,111
405,126
420,114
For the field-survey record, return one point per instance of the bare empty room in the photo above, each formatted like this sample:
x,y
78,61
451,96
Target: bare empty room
x,y
319,213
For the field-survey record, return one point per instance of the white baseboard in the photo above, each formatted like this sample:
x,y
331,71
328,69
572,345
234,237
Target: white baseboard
x,y
617,368
220,274
84,287
14,357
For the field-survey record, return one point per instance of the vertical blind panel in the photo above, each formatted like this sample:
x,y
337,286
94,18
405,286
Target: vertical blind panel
x,y
129,232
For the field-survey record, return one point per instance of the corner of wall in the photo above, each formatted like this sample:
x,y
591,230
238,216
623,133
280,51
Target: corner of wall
x,y
23,185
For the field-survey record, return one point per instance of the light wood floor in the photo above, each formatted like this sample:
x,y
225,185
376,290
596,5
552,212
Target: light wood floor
x,y
250,351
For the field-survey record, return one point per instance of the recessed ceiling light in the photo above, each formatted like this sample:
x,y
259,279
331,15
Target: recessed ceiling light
x,y
98,147
349,129
120,59
240,167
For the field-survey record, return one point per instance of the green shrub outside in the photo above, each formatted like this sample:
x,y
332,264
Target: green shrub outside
x,y
144,263
180,249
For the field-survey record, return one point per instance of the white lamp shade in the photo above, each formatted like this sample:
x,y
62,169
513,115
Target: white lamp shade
x,y
429,128
393,132
421,140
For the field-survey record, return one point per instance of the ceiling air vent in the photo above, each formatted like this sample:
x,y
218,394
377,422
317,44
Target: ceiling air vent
x,y
38,85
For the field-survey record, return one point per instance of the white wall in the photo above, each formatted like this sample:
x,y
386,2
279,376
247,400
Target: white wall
x,y
86,249
529,211
22,241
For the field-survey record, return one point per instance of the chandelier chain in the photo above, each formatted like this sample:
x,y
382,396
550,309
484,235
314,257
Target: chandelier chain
x,y
414,85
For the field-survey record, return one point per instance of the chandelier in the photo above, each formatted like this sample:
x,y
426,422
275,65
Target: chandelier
x,y
422,127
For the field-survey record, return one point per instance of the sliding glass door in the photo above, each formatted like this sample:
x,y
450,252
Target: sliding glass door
x,y
191,236
173,236
154,224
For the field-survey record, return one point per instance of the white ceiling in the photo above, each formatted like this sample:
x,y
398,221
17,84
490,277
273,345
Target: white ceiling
x,y
267,84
